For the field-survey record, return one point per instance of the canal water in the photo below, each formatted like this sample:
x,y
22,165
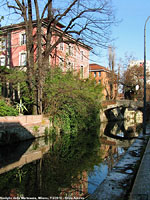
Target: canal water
x,y
65,167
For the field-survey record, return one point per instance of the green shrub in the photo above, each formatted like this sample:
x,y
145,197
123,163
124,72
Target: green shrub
x,y
72,104
7,110
19,82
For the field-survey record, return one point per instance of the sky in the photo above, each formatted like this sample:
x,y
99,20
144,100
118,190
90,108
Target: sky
x,y
129,33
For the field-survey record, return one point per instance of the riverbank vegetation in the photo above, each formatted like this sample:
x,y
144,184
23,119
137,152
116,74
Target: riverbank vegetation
x,y
7,110
72,104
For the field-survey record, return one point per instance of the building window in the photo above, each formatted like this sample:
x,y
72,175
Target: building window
x,y
94,74
70,50
81,72
61,46
23,59
70,65
82,55
2,61
99,81
23,38
99,74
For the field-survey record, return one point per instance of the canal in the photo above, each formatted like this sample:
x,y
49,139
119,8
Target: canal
x,y
66,166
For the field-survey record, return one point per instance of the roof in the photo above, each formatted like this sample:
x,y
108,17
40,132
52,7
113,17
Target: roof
x,y
22,25
9,28
96,68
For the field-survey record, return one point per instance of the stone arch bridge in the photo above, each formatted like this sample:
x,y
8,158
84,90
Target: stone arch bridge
x,y
120,109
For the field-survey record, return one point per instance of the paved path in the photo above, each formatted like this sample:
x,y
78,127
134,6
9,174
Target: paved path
x,y
141,187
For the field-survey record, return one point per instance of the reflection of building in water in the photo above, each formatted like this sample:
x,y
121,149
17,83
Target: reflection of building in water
x,y
109,147
110,153
13,194
79,189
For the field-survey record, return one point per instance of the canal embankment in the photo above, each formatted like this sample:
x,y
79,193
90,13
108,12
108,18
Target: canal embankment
x,y
141,186
19,128
102,152
118,183
130,177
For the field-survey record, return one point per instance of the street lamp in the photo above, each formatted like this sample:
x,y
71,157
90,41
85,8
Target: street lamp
x,y
144,110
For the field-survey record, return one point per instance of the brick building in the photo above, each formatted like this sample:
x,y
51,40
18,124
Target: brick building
x,y
70,55
13,50
104,77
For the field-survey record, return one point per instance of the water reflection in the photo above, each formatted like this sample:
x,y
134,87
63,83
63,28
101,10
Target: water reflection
x,y
122,130
70,165
13,152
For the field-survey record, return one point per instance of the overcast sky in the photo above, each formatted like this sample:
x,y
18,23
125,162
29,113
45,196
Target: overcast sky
x,y
129,33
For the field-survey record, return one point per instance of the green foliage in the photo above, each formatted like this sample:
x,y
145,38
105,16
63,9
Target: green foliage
x,y
7,110
36,129
46,132
21,107
18,79
11,178
1,18
72,104
68,160
35,145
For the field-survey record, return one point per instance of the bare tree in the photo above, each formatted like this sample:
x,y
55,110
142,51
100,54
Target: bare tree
x,y
112,76
87,21
123,65
132,81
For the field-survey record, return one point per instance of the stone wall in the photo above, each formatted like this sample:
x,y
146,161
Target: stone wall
x,y
23,119
20,128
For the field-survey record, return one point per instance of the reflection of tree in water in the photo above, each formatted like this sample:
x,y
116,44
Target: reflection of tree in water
x,y
71,156
63,167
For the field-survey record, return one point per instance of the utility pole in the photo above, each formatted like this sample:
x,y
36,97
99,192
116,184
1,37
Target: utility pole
x,y
144,110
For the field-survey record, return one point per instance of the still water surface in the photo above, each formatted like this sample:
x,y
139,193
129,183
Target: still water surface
x,y
68,166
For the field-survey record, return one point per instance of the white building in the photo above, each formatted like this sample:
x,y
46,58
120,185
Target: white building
x,y
141,63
